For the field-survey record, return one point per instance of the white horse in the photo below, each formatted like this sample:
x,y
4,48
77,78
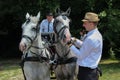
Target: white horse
x,y
35,59
66,67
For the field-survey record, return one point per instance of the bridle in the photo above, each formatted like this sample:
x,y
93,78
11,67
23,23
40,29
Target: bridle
x,y
61,30
36,31
32,40
62,59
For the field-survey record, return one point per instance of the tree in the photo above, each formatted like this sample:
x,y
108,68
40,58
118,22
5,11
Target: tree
x,y
12,16
108,10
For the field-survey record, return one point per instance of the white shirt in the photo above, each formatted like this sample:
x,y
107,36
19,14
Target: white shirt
x,y
44,26
82,37
90,52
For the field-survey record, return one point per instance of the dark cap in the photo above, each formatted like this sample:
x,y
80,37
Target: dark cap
x,y
49,14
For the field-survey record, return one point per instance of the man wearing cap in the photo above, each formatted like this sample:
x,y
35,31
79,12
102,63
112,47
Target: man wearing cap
x,y
47,24
89,54
46,27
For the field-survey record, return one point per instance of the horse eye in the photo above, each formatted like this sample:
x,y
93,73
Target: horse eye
x,y
28,20
33,29
64,17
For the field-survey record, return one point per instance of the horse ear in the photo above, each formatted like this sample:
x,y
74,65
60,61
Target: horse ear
x,y
27,15
68,11
58,11
38,15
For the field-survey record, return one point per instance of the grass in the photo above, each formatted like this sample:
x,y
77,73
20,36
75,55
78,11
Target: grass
x,y
10,70
111,69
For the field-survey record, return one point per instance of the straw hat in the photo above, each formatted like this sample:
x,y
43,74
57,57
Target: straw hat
x,y
90,16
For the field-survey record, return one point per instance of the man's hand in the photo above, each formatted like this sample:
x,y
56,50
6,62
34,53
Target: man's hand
x,y
75,41
71,42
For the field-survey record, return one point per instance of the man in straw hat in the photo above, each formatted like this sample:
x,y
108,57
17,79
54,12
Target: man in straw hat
x,y
89,54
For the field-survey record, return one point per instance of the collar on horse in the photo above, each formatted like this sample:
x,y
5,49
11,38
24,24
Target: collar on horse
x,y
63,60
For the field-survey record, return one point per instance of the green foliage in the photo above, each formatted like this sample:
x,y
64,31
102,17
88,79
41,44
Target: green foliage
x,y
12,16
110,27
46,5
109,13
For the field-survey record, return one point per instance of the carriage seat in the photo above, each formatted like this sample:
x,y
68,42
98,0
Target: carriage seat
x,y
48,37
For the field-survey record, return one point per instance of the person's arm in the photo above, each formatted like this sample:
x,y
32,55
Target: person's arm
x,y
78,43
85,49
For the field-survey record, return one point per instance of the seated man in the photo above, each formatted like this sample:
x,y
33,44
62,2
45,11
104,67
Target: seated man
x,y
46,27
47,32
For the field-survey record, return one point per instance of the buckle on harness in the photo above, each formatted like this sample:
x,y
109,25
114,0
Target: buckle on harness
x,y
53,61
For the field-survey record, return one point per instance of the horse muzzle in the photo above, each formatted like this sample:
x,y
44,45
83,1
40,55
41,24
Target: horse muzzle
x,y
22,46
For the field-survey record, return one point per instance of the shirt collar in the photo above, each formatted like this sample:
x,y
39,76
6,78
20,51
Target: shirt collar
x,y
51,20
92,31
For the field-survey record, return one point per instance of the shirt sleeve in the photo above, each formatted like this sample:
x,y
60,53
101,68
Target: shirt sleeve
x,y
85,49
78,43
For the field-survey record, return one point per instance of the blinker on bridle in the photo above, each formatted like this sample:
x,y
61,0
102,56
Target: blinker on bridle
x,y
37,30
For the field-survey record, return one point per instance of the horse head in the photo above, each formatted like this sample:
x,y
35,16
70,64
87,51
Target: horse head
x,y
61,25
30,30
63,52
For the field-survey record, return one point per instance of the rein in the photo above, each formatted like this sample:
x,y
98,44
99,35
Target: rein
x,y
37,31
40,57
62,32
63,60
63,28
27,38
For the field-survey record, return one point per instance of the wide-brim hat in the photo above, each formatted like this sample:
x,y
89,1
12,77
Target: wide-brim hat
x,y
90,16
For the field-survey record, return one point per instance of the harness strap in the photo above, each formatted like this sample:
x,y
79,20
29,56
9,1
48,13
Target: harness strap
x,y
63,55
62,29
27,59
34,59
61,61
40,57
67,53
25,36
22,65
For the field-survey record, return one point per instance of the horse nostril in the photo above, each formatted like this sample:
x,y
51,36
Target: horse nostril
x,y
22,46
25,45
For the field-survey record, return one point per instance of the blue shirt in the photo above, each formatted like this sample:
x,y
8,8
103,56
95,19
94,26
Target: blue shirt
x,y
90,52
44,26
